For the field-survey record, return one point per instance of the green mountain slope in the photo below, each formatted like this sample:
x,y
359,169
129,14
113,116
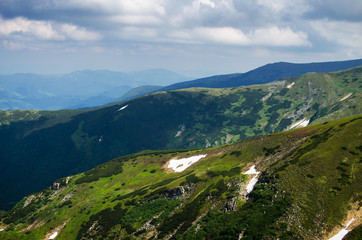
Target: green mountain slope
x,y
39,147
309,186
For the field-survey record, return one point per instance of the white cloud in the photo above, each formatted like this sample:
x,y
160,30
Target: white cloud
x,y
200,29
124,11
44,30
136,19
275,36
272,36
117,6
78,33
293,8
40,29
347,34
275,5
224,35
197,3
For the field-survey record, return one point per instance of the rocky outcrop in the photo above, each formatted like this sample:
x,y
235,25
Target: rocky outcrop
x,y
230,205
180,192
55,186
176,192
60,183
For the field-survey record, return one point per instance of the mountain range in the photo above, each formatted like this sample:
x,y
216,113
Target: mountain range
x,y
41,146
278,160
79,89
86,89
264,74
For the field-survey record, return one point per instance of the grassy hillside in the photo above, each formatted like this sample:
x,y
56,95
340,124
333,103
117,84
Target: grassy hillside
x,y
309,187
39,147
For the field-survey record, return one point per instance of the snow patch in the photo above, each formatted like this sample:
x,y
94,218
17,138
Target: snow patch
x,y
345,97
342,233
302,123
290,85
179,165
122,108
254,180
252,170
251,184
54,235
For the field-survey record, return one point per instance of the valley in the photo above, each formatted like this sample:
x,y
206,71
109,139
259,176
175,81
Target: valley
x,y
279,160
54,144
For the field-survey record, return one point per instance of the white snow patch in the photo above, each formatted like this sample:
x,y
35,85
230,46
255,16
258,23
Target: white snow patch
x,y
302,123
345,97
342,233
290,85
54,235
122,108
179,165
252,170
253,181
251,184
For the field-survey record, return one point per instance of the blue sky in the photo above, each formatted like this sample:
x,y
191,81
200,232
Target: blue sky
x,y
192,37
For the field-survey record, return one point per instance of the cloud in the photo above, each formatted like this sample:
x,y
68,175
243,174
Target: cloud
x,y
115,6
275,36
20,25
275,5
44,30
272,36
316,28
225,35
283,7
78,33
348,34
335,10
136,19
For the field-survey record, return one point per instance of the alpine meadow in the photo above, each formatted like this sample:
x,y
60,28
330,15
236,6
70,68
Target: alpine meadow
x,y
277,160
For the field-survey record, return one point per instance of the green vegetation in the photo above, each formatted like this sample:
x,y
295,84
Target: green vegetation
x,y
310,183
183,119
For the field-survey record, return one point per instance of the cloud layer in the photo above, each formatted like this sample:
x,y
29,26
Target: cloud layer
x,y
123,24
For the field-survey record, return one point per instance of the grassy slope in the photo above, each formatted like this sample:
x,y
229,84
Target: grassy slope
x,y
205,117
310,184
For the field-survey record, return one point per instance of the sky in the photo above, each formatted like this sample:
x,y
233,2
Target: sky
x,y
193,37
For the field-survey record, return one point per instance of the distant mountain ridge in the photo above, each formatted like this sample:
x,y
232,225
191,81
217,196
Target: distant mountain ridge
x,y
75,90
265,74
